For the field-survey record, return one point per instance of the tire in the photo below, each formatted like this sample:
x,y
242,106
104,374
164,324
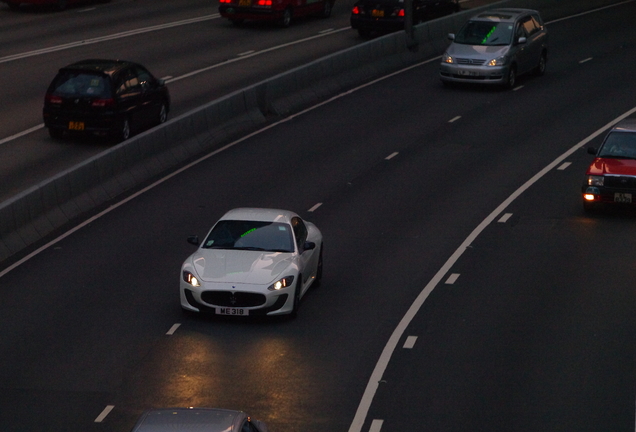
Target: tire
x,y
163,114
123,131
294,312
61,5
56,134
511,79
326,10
237,21
540,69
364,33
318,270
286,19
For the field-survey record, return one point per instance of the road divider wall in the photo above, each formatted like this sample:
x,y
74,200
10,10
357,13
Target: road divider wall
x,y
39,212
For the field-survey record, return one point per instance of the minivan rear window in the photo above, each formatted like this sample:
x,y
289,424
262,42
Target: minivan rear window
x,y
76,84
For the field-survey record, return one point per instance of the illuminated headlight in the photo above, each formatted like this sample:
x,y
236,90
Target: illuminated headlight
x,y
282,283
447,59
499,61
595,180
191,279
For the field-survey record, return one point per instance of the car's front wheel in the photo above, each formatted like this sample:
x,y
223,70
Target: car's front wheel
x,y
511,79
540,69
296,305
318,269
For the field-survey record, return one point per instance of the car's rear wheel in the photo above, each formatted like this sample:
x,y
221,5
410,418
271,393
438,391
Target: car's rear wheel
x,y
56,134
123,131
286,19
326,10
365,33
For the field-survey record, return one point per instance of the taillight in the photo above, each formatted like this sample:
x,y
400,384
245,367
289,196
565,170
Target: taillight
x,y
225,1
53,99
264,2
400,13
101,103
355,10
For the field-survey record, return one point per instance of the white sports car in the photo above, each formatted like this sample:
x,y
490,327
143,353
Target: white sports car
x,y
253,262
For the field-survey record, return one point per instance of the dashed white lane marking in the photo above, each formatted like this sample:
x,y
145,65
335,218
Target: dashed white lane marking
x,y
585,60
100,418
18,135
517,88
246,53
410,342
452,279
314,207
504,218
376,425
391,156
454,119
564,166
326,31
173,329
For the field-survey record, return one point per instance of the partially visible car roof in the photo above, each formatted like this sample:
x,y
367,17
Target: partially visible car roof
x,y
188,419
502,15
625,125
100,65
259,214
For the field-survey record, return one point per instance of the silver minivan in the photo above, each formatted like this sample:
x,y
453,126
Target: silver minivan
x,y
495,47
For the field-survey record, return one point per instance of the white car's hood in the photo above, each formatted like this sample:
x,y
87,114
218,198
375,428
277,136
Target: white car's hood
x,y
477,51
240,266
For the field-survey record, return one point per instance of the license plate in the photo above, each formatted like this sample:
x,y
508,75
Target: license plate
x,y
622,197
467,73
78,126
376,13
245,3
232,311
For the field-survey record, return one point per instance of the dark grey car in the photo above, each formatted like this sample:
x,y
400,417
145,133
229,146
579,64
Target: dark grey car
x,y
495,47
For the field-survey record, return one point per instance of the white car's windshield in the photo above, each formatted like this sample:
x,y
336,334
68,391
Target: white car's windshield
x,y
251,235
485,33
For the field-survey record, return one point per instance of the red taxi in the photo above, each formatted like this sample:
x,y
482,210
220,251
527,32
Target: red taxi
x,y
280,11
611,178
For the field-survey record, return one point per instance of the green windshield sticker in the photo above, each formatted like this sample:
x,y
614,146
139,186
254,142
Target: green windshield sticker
x,y
246,233
492,30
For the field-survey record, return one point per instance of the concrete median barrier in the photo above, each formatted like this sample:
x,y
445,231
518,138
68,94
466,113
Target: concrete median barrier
x,y
31,216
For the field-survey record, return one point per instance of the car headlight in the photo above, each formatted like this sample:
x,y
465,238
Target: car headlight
x,y
281,283
499,61
191,279
595,180
447,59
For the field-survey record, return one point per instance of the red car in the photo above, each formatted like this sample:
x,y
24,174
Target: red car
x,y
611,178
60,4
281,11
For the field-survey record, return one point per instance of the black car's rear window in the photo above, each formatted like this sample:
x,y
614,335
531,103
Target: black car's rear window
x,y
74,84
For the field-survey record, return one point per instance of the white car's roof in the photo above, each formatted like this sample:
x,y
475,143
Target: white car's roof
x,y
189,419
259,214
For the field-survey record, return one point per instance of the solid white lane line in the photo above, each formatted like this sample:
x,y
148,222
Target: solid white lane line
x,y
107,38
452,279
564,166
410,342
376,425
391,156
504,218
20,134
255,53
173,329
100,418
585,60
454,119
389,348
314,207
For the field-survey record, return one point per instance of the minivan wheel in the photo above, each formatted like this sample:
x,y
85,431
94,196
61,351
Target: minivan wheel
x,y
512,78
540,69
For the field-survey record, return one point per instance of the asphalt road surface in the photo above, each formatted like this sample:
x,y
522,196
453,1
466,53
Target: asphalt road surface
x,y
529,327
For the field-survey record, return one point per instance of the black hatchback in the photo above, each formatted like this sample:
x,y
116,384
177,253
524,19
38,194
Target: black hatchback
x,y
104,97
384,16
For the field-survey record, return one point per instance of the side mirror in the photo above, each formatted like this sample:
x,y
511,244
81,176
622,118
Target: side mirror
x,y
592,151
451,36
193,240
161,82
309,246
521,40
